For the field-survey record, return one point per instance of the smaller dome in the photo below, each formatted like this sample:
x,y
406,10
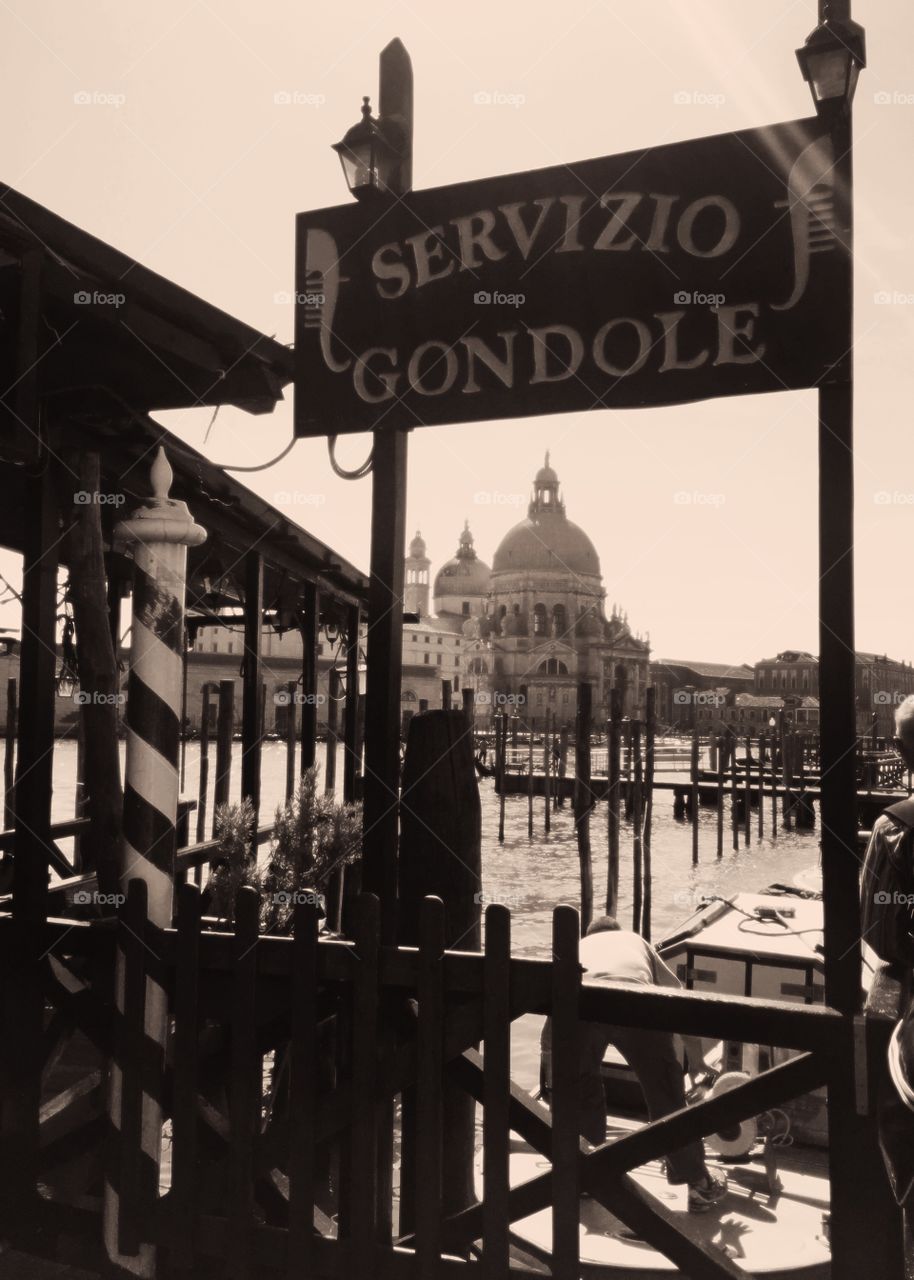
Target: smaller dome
x,y
417,547
464,574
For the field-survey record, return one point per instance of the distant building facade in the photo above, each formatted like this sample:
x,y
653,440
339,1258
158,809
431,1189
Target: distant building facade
x,y
692,694
880,682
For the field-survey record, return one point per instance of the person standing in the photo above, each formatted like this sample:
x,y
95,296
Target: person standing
x,y
611,954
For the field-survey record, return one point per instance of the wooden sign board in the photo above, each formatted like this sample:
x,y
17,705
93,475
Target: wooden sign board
x,y
712,267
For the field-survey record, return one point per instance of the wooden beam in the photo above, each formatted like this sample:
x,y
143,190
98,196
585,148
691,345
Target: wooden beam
x,y
309,630
351,762
385,645
252,693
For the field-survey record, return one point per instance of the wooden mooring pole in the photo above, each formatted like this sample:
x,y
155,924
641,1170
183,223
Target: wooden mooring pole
x,y
225,732
613,805
9,752
721,765
203,783
637,865
647,873
530,781
693,795
583,799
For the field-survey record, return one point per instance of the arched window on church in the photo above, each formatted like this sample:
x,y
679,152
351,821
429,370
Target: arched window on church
x,y
559,620
478,667
553,667
540,620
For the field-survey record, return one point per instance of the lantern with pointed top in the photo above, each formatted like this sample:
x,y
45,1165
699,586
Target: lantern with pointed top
x,y
369,157
831,60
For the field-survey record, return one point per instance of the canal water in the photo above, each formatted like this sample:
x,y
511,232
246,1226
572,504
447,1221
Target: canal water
x,y
532,876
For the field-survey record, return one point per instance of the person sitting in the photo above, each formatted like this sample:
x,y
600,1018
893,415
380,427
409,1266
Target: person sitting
x,y
610,953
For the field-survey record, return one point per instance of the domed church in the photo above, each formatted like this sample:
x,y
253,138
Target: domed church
x,y
535,625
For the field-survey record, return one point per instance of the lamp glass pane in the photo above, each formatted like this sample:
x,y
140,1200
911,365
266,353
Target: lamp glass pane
x,y
829,70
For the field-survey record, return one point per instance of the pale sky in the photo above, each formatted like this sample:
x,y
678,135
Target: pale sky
x,y
190,132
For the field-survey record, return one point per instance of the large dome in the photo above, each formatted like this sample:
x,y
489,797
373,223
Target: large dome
x,y
463,575
546,542
547,539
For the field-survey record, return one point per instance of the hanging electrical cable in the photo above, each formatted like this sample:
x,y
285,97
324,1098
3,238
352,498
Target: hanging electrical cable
x,y
359,473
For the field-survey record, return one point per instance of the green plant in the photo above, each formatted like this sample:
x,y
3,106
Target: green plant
x,y
233,865
313,836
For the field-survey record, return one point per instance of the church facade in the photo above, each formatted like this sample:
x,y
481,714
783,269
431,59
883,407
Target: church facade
x,y
534,625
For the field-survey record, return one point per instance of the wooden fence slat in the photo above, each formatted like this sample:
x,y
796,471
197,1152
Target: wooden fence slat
x,y
132,1055
246,1088
496,1090
364,1132
303,1091
566,982
429,1100
184,1173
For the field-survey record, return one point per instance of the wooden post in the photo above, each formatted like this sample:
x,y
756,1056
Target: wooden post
x,y
721,765
310,622
650,731
693,796
734,794
446,695
333,705
225,732
530,782
469,712
637,861
9,753
501,754
761,784
583,799
563,767
613,813
747,795
351,747
252,681
291,718
441,856
23,996
547,760
203,784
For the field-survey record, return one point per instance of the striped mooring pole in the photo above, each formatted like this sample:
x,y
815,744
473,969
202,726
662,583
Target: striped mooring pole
x,y
159,534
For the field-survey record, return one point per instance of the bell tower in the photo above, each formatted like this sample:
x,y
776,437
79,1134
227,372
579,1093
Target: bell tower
x,y
415,597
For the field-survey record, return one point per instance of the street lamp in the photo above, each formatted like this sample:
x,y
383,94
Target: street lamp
x,y
831,60
369,158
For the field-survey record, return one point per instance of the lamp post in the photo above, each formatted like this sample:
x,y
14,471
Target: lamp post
x,y
370,156
831,60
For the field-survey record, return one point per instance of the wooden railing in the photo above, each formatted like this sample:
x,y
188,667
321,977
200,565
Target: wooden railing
x,y
274,1155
